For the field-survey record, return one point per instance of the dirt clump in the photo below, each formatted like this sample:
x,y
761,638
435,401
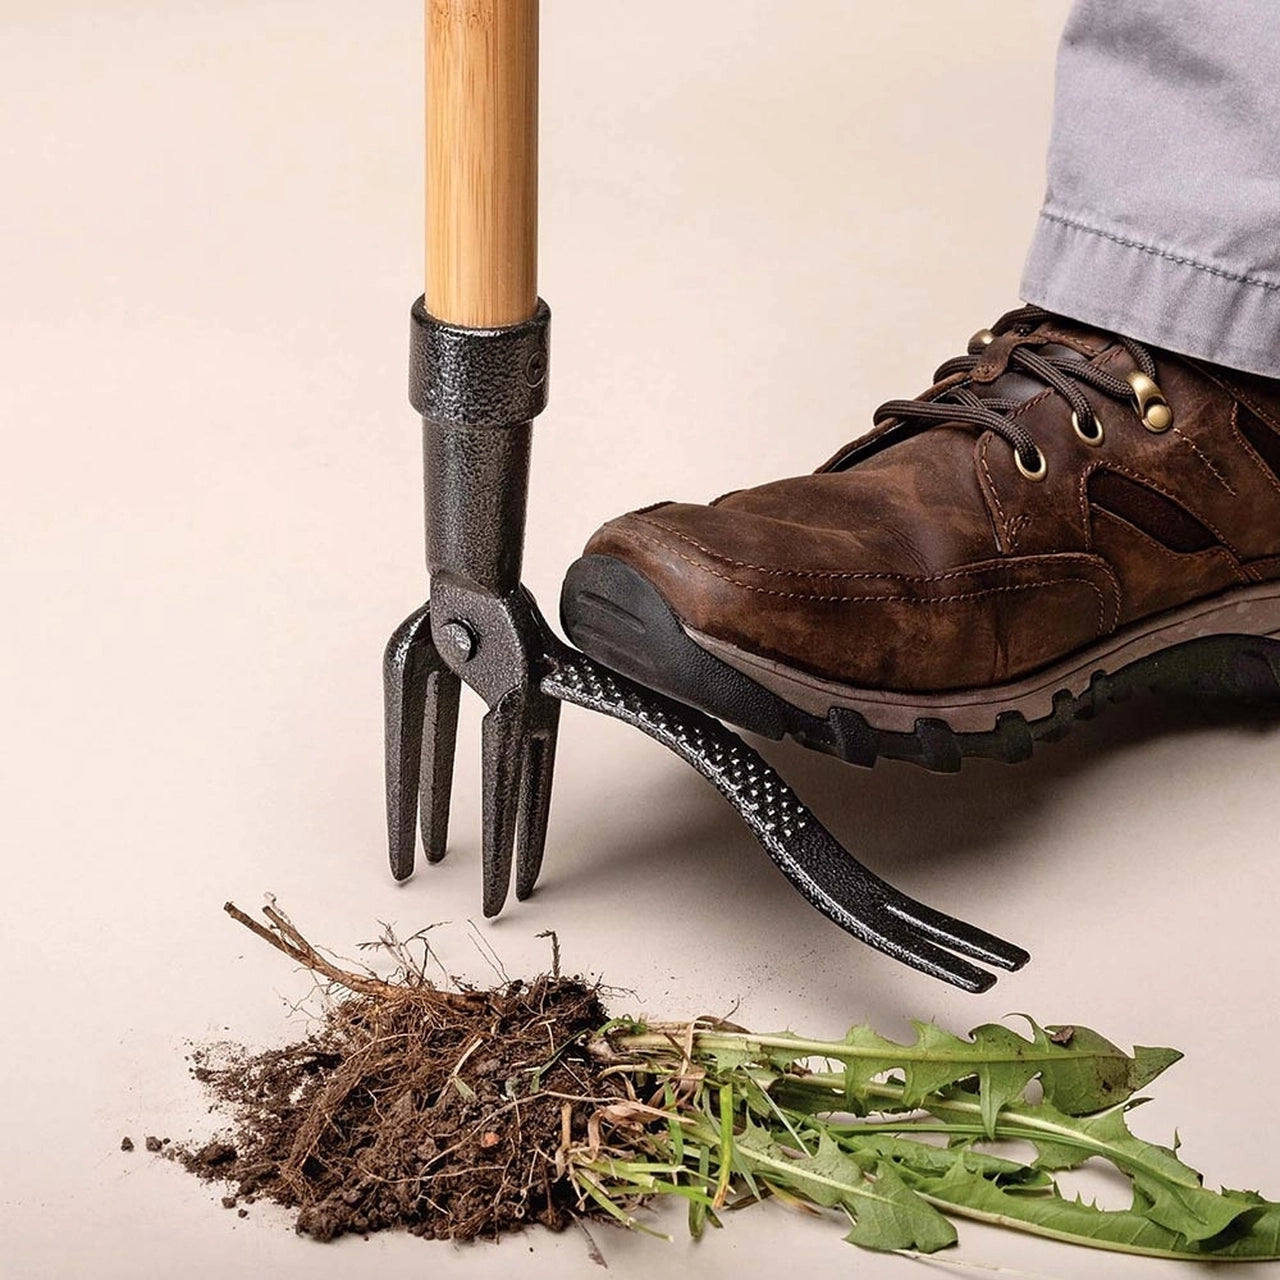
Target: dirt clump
x,y
440,1112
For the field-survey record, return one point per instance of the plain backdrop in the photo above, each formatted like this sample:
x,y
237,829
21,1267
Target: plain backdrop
x,y
759,219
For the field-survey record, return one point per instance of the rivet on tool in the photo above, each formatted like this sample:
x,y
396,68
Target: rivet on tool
x,y
461,637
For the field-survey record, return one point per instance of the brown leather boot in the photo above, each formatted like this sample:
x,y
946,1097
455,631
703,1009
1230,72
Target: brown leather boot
x,y
1064,516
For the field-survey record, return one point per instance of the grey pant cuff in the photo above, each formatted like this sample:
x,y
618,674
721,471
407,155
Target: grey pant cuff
x,y
1081,269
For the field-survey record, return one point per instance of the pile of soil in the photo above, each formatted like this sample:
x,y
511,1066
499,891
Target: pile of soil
x,y
441,1112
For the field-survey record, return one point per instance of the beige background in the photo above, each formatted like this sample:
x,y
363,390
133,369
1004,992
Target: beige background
x,y
759,220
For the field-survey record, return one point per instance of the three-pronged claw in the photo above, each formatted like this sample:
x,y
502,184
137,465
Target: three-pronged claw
x,y
524,674
518,742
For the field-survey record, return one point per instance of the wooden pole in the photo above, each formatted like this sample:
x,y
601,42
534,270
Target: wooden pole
x,y
482,160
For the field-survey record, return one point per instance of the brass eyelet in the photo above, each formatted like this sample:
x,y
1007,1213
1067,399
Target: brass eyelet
x,y
983,338
1091,440
1151,404
1039,473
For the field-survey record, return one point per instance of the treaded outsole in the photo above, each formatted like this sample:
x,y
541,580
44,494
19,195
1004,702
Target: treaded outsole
x,y
617,616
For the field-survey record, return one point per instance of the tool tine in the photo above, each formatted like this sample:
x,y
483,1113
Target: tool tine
x,y
535,797
864,905
959,936
440,737
408,661
889,935
502,742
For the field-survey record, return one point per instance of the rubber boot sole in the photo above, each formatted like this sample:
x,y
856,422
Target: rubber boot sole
x,y
1223,649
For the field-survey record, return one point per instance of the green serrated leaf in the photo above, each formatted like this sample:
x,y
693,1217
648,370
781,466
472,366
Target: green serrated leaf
x,y
1013,1063
1255,1234
970,1195
829,1176
726,1059
1090,1073
1167,1191
886,1213
897,1218
766,1119
1148,1063
1094,1073
1055,1157
1080,1070
930,1159
1178,1200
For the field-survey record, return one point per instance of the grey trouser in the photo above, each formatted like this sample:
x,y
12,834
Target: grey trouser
x,y
1162,216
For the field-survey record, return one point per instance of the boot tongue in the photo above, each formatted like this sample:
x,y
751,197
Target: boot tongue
x,y
1019,387
992,378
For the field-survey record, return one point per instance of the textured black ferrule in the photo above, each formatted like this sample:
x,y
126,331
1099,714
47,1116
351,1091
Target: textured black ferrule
x,y
468,377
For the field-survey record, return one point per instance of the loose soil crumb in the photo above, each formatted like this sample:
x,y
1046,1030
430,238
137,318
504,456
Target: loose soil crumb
x,y
439,1112
126,1143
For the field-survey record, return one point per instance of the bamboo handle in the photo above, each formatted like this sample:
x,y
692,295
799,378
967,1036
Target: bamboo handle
x,y
482,160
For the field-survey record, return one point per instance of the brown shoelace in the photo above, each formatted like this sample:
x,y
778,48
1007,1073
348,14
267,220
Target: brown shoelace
x,y
960,403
